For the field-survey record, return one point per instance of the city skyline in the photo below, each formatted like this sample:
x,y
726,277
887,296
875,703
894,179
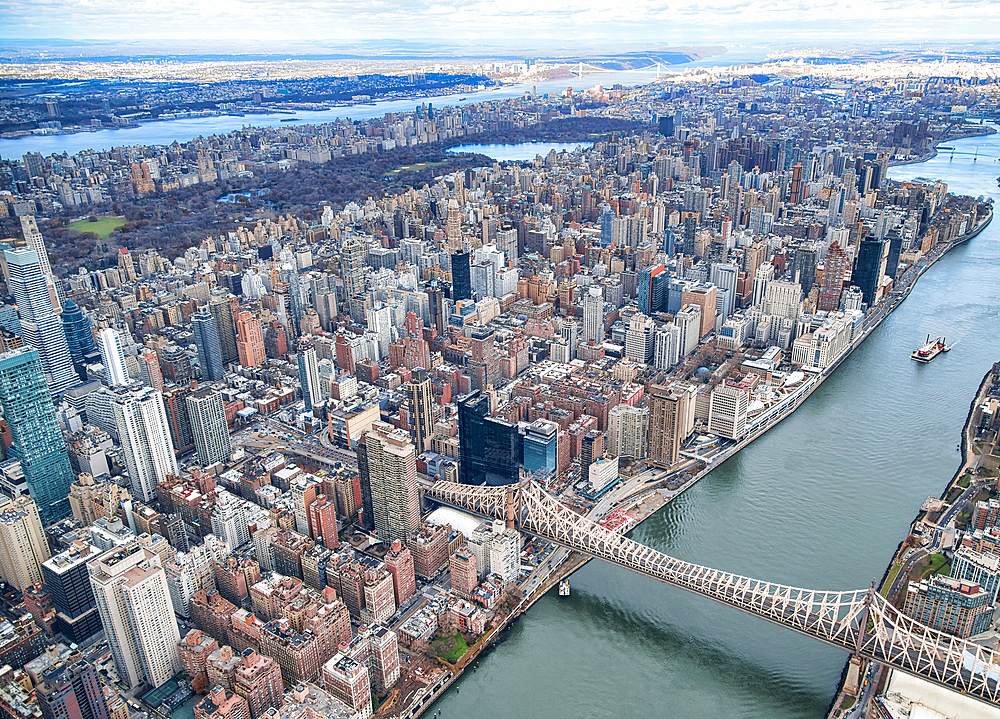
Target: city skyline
x,y
519,25
346,376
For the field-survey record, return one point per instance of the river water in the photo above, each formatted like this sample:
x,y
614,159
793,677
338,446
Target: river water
x,y
821,501
164,132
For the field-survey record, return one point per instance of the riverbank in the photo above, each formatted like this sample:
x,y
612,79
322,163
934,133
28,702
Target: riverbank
x,y
933,152
906,556
647,501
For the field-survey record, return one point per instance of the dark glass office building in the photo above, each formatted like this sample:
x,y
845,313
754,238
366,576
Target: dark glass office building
x,y
491,448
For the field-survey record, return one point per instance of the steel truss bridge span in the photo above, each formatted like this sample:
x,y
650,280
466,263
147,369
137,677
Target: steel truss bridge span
x,y
861,621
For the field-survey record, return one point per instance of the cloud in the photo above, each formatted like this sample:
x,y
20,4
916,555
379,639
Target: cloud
x,y
517,23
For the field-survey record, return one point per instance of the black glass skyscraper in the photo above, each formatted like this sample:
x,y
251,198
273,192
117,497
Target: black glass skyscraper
x,y
491,448
461,276
206,339
869,266
79,336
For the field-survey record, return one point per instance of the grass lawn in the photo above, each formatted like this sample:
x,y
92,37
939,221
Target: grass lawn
x,y
450,648
934,564
102,228
891,577
416,167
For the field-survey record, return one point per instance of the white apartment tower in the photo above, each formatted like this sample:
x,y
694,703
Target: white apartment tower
x,y
141,421
113,357
208,426
593,315
133,600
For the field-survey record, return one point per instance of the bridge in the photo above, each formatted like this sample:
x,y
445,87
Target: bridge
x,y
861,621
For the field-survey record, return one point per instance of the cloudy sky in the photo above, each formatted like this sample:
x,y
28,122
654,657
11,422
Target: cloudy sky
x,y
514,24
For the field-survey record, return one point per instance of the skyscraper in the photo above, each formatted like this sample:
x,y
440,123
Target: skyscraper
x,y
352,269
33,239
208,426
223,309
391,469
40,325
79,336
23,547
670,408
593,315
68,584
133,599
461,276
491,448
651,289
113,357
206,339
37,440
141,421
308,374
149,370
420,396
834,268
869,267
250,340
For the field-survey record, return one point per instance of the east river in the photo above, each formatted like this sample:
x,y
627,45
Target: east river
x,y
820,501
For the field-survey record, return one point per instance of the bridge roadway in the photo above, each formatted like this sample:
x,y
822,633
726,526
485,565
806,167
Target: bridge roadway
x,y
860,621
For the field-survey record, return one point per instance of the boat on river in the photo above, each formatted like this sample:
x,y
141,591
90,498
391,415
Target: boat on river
x,y
930,350
564,588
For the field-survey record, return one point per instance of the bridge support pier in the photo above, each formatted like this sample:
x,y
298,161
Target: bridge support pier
x,y
855,670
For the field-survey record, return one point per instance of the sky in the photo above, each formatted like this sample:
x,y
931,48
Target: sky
x,y
558,25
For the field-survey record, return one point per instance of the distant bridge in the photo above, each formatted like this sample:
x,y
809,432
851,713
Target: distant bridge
x,y
861,621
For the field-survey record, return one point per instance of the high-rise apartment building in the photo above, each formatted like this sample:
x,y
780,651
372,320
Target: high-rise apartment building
x,y
250,340
349,681
71,689
130,588
113,357
224,309
33,239
949,605
391,469
593,315
206,339
669,410
727,413
834,268
40,325
399,563
208,426
23,547
352,260
141,421
308,374
149,370
37,441
420,396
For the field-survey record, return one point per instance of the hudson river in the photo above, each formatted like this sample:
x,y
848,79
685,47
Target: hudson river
x,y
821,501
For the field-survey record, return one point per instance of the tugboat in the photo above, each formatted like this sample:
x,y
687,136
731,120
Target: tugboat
x,y
930,350
564,588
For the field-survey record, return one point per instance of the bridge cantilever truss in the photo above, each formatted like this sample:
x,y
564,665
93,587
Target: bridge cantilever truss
x,y
860,621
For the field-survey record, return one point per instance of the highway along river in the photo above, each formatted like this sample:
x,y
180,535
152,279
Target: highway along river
x,y
821,501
